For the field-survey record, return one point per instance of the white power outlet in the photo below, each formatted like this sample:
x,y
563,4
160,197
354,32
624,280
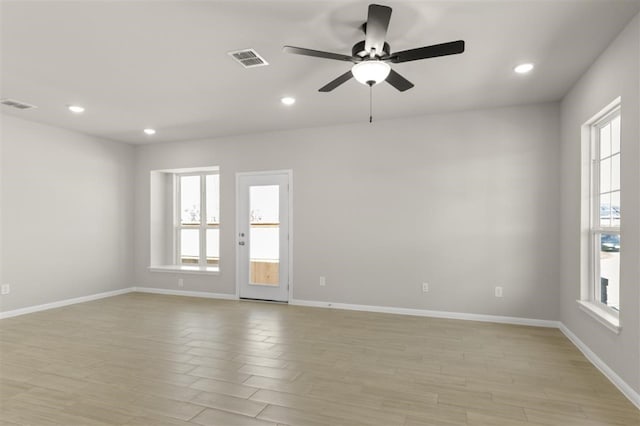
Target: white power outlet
x,y
425,287
180,282
498,291
6,289
323,281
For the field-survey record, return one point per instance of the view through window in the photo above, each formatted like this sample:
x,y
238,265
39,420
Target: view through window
x,y
198,219
265,234
606,212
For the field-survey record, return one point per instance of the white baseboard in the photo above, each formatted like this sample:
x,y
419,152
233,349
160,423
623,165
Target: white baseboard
x,y
61,303
203,294
428,313
622,386
66,302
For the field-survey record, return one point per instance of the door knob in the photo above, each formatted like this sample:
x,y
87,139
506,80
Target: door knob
x,y
241,243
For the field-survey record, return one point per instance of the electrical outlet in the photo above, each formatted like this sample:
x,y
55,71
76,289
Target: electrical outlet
x,y
323,281
180,282
425,287
6,289
498,291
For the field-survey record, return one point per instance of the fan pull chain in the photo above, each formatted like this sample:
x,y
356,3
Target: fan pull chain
x,y
370,103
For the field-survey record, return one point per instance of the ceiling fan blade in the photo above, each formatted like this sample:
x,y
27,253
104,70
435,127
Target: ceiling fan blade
x,y
318,54
444,49
376,29
398,81
337,82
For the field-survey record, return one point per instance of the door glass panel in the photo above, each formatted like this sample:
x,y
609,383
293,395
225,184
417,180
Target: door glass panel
x,y
264,247
190,200
189,246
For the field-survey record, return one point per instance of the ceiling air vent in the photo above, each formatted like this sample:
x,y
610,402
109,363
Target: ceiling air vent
x,y
248,58
16,104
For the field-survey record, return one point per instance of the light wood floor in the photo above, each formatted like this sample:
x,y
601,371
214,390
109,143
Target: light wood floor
x,y
142,359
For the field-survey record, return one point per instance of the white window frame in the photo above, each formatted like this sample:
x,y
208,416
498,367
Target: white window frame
x,y
590,298
596,230
163,216
202,227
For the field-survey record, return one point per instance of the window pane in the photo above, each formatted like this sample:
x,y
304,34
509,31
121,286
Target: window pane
x,y
213,199
190,200
609,285
615,172
615,135
264,247
213,246
605,175
615,208
605,210
189,246
605,141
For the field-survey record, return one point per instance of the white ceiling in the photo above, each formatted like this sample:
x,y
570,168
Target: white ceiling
x,y
164,64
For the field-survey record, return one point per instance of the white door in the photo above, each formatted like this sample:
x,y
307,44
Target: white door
x,y
263,235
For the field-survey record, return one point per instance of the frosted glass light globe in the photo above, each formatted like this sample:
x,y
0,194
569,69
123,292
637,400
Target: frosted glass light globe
x,y
371,71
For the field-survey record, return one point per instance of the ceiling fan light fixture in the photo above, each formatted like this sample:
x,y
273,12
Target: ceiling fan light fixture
x,y
374,71
372,55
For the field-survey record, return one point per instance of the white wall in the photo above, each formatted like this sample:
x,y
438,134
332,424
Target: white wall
x,y
615,73
465,201
67,208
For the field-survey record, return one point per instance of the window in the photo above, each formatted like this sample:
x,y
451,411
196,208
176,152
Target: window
x,y
185,220
197,219
602,292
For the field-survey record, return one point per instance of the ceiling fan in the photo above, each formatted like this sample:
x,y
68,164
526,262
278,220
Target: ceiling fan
x,y
372,55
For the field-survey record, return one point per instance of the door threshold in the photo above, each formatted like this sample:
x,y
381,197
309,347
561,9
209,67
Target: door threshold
x,y
279,302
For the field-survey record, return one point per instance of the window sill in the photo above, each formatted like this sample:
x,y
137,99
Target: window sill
x,y
183,269
604,317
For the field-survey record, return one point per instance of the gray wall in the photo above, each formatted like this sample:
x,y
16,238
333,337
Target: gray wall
x,y
615,73
464,201
67,214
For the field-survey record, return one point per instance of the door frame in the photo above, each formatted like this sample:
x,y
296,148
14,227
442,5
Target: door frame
x,y
289,175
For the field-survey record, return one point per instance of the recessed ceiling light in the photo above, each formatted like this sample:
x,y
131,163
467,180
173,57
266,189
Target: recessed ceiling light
x,y
523,68
149,131
76,109
288,100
